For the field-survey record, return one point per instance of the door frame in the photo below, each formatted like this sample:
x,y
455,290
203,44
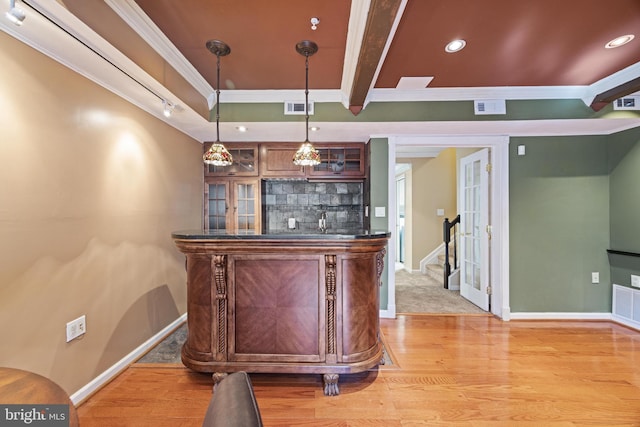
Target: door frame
x,y
499,210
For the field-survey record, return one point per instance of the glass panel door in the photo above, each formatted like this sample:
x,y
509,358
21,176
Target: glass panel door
x,y
246,207
217,207
474,238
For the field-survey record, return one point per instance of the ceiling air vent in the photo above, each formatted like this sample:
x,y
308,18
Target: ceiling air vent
x,y
490,106
297,107
627,103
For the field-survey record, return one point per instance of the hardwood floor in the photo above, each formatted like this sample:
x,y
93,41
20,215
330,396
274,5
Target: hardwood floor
x,y
451,370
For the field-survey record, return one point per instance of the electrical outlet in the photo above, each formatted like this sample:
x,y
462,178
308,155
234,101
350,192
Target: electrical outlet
x,y
635,281
595,277
76,327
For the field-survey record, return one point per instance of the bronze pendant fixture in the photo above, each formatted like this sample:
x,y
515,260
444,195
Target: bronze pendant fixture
x,y
217,154
306,155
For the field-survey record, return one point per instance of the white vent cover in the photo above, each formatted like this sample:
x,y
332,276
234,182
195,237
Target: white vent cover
x,y
626,306
297,107
627,103
490,106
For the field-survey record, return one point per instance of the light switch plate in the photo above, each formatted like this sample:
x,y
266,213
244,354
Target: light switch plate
x,y
635,281
380,212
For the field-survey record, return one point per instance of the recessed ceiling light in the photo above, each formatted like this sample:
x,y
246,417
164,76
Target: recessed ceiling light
x,y
314,128
241,128
619,41
455,46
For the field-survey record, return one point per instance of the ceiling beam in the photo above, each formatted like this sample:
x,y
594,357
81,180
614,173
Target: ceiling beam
x,y
611,95
380,21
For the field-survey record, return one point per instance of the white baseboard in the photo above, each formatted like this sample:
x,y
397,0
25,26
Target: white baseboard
x,y
102,379
389,313
431,258
576,316
560,316
626,322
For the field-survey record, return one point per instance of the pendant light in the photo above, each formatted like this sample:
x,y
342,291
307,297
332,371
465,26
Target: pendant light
x,y
306,155
217,154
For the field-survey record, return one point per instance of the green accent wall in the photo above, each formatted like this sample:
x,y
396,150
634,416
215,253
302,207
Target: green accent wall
x,y
571,199
624,169
379,176
559,224
416,111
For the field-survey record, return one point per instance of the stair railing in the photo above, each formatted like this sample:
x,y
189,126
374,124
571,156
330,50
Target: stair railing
x,y
449,237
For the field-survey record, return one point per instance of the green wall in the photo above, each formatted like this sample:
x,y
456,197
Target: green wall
x,y
559,224
624,169
453,111
379,176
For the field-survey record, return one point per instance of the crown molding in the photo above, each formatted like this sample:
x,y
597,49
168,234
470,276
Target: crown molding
x,y
135,17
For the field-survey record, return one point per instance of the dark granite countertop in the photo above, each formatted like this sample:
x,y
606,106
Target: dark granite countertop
x,y
295,235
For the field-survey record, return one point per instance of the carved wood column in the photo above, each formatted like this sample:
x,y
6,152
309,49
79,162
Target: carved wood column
x,y
380,264
219,268
330,282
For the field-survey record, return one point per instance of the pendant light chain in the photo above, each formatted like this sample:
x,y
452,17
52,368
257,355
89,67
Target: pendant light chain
x,y
218,99
306,95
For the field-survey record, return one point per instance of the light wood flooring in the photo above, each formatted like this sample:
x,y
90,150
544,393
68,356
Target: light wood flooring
x,y
451,370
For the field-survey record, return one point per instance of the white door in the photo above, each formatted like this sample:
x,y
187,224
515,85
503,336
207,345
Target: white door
x,y
400,213
474,228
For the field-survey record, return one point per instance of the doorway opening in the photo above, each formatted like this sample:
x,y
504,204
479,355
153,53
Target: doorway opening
x,y
406,147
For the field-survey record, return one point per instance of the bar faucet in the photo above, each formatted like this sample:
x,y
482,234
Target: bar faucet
x,y
322,223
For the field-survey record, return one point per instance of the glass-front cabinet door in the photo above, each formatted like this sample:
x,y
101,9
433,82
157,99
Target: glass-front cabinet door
x,y
216,205
340,161
232,206
245,161
246,208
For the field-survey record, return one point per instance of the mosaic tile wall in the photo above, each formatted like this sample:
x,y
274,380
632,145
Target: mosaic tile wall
x,y
306,201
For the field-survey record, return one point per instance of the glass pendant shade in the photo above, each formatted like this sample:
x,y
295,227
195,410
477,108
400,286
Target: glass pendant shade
x,y
217,155
306,155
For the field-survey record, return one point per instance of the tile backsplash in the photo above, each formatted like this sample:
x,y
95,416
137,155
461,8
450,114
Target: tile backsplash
x,y
306,201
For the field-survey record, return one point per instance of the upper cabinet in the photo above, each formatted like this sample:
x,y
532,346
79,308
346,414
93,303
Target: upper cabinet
x,y
339,162
276,160
245,161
